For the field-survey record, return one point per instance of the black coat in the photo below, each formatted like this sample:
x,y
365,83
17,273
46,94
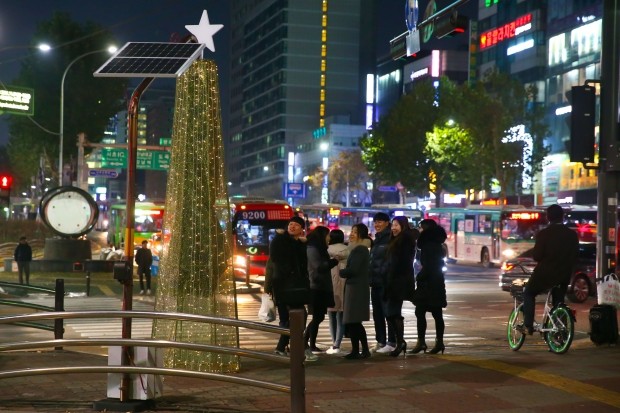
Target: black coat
x,y
288,270
400,279
378,258
556,251
144,257
430,283
23,252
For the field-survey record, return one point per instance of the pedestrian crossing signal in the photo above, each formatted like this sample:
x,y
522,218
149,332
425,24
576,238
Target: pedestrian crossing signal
x,y
6,181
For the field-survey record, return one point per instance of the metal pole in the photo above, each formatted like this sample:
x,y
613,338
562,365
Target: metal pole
x,y
298,375
62,110
609,160
59,305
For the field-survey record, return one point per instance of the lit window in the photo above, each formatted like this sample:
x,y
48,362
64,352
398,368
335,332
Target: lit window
x,y
324,22
323,50
322,80
323,35
323,65
322,95
322,110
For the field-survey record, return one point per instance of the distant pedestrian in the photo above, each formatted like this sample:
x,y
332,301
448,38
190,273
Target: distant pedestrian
x,y
356,291
378,280
23,256
400,278
337,249
321,288
144,259
288,277
430,294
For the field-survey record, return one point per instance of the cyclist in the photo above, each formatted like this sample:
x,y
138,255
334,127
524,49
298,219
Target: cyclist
x,y
555,252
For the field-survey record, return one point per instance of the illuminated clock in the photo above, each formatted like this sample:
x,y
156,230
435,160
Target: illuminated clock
x,y
69,211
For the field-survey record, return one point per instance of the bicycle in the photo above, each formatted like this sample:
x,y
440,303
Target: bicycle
x,y
557,327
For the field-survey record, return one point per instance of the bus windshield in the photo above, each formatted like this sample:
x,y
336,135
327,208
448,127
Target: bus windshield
x,y
519,229
256,233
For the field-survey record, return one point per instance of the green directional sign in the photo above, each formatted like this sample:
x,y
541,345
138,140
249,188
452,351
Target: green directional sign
x,y
165,141
150,160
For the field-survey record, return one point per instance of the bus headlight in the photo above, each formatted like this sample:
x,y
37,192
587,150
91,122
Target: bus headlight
x,y
240,261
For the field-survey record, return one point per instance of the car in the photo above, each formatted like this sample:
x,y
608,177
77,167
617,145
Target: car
x,y
582,283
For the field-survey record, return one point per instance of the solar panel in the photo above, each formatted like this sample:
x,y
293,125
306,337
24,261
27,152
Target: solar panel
x,y
151,60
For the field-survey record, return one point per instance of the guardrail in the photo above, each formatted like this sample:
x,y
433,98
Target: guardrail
x,y
296,388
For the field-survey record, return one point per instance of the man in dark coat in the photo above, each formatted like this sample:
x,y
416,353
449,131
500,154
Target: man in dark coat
x,y
23,256
555,252
144,259
288,282
378,277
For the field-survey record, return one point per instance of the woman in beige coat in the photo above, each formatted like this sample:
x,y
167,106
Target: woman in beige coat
x,y
337,249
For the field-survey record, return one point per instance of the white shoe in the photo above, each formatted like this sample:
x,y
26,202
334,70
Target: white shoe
x,y
385,349
376,347
141,292
310,356
333,350
148,292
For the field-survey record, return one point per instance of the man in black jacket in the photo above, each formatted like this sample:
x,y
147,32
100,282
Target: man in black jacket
x,y
555,252
23,256
144,259
378,277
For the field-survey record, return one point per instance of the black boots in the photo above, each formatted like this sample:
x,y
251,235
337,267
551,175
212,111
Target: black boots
x,y
399,330
439,346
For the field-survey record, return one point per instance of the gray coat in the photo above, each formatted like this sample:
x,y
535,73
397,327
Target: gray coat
x,y
356,291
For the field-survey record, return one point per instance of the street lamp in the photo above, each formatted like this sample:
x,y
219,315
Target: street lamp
x,y
110,49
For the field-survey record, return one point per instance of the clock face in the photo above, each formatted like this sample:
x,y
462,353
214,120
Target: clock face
x,y
69,211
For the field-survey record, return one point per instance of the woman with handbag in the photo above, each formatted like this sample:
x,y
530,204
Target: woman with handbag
x,y
430,293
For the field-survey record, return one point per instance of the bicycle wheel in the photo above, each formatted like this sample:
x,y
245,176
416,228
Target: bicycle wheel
x,y
515,334
562,330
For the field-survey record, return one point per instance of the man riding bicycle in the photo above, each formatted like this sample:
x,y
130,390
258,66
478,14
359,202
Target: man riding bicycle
x,y
555,252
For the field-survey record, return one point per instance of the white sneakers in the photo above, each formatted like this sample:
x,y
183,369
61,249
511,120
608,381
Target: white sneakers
x,y
385,349
141,292
333,350
148,292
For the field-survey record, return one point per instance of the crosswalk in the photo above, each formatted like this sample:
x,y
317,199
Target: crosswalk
x,y
248,306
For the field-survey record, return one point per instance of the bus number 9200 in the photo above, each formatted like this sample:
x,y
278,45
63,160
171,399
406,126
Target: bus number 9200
x,y
252,215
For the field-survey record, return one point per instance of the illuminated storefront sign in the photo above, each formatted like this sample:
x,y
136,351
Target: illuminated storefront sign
x,y
507,31
489,3
18,101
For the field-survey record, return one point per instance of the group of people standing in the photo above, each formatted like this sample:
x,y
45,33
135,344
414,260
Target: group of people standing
x,y
334,278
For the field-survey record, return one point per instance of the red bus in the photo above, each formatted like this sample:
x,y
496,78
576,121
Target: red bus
x,y
254,224
315,215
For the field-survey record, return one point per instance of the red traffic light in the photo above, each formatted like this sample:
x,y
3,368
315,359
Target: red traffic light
x,y
6,181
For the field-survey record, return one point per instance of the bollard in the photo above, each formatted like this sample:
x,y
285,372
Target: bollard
x,y
248,266
59,305
298,375
88,283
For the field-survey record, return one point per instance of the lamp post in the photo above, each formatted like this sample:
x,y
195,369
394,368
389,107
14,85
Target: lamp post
x,y
111,49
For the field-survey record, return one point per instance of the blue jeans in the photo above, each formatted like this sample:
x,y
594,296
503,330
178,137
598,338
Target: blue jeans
x,y
378,317
336,328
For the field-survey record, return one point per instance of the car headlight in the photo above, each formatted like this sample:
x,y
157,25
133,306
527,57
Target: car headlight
x,y
240,261
509,253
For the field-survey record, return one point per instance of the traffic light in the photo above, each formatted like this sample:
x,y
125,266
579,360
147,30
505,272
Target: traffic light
x,y
6,181
582,119
451,26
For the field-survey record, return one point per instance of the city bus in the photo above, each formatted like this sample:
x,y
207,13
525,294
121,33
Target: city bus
x,y
489,235
350,216
320,214
254,223
149,219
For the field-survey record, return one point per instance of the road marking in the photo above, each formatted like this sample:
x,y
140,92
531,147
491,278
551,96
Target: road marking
x,y
107,290
587,391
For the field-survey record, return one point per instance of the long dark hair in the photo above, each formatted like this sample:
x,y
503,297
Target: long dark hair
x,y
318,237
396,241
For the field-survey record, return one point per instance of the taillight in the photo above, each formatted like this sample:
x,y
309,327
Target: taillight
x,y
507,266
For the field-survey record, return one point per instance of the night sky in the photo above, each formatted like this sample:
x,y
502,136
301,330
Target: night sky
x,y
150,21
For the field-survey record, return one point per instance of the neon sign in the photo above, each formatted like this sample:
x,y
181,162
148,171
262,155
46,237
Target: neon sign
x,y
507,31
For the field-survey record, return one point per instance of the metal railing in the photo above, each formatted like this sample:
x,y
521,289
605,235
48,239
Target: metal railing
x,y
296,388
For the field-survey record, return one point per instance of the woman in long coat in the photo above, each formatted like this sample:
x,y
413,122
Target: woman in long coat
x,y
430,295
356,291
400,278
337,249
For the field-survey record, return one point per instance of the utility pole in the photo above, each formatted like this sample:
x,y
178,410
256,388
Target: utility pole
x,y
609,157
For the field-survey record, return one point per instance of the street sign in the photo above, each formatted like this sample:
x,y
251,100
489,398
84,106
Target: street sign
x,y
294,190
151,160
165,141
103,173
388,189
17,100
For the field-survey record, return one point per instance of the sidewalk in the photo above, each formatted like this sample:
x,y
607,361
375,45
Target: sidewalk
x,y
489,379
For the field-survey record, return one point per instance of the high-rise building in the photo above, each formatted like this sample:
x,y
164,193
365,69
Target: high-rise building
x,y
293,64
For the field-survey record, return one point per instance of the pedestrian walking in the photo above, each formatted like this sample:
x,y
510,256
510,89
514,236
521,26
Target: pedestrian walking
x,y
356,292
287,279
23,257
378,279
339,250
400,278
144,259
430,293
321,288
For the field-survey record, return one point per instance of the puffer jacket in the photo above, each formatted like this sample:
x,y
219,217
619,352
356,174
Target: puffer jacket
x,y
430,283
378,258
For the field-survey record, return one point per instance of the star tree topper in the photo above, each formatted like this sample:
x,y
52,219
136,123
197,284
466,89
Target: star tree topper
x,y
204,31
